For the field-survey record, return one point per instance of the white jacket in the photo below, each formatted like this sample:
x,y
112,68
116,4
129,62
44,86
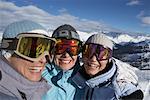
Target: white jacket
x,y
126,79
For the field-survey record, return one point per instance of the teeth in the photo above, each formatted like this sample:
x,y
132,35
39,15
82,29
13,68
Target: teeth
x,y
35,69
94,65
66,61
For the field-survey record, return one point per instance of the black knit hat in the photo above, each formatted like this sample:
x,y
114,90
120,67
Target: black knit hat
x,y
66,31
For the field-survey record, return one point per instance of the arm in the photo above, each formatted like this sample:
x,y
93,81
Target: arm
x,y
137,95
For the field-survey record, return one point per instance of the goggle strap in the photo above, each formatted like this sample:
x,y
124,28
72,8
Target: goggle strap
x,y
47,59
9,43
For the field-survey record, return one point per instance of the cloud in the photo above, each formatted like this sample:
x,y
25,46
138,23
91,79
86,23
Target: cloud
x,y
10,13
63,11
133,2
145,19
140,14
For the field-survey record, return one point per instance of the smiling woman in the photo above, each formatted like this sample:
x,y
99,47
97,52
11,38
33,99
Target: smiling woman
x,y
21,64
64,65
103,77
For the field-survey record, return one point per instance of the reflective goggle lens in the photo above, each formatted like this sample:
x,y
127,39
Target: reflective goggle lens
x,y
71,46
33,47
102,53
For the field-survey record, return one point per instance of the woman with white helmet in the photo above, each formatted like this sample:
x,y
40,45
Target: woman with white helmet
x,y
23,49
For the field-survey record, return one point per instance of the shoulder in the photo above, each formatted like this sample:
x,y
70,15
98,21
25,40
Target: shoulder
x,y
126,81
6,97
124,66
126,72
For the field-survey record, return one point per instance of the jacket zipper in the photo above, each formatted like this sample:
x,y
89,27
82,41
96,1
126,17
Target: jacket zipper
x,y
23,95
89,94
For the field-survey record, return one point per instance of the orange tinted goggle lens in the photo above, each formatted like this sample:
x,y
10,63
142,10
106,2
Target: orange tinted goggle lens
x,y
70,42
74,50
65,45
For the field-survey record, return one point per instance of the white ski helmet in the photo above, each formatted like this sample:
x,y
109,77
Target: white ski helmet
x,y
15,28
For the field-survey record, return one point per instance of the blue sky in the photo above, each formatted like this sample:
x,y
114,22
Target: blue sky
x,y
84,15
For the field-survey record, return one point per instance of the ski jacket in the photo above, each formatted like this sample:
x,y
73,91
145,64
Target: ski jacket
x,y
62,88
14,86
118,82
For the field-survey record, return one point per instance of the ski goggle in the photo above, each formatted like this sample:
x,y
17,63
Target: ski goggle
x,y
33,46
101,52
68,45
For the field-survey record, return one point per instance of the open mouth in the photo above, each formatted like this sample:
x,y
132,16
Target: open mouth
x,y
92,65
64,61
35,69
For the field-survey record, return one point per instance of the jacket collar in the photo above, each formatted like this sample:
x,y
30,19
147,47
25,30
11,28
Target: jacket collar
x,y
81,82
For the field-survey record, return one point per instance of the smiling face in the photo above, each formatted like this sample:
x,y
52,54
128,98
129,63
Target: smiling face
x,y
30,70
92,66
65,61
66,53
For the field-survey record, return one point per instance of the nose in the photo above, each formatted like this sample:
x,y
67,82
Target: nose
x,y
65,55
93,58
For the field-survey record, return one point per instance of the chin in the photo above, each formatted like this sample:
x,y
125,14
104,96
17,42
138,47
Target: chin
x,y
66,67
91,73
35,78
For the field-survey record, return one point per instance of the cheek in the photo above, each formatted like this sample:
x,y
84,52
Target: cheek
x,y
85,60
56,59
24,65
75,58
21,65
74,61
103,64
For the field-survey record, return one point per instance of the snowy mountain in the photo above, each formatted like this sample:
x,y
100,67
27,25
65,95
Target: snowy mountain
x,y
137,54
118,37
127,38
